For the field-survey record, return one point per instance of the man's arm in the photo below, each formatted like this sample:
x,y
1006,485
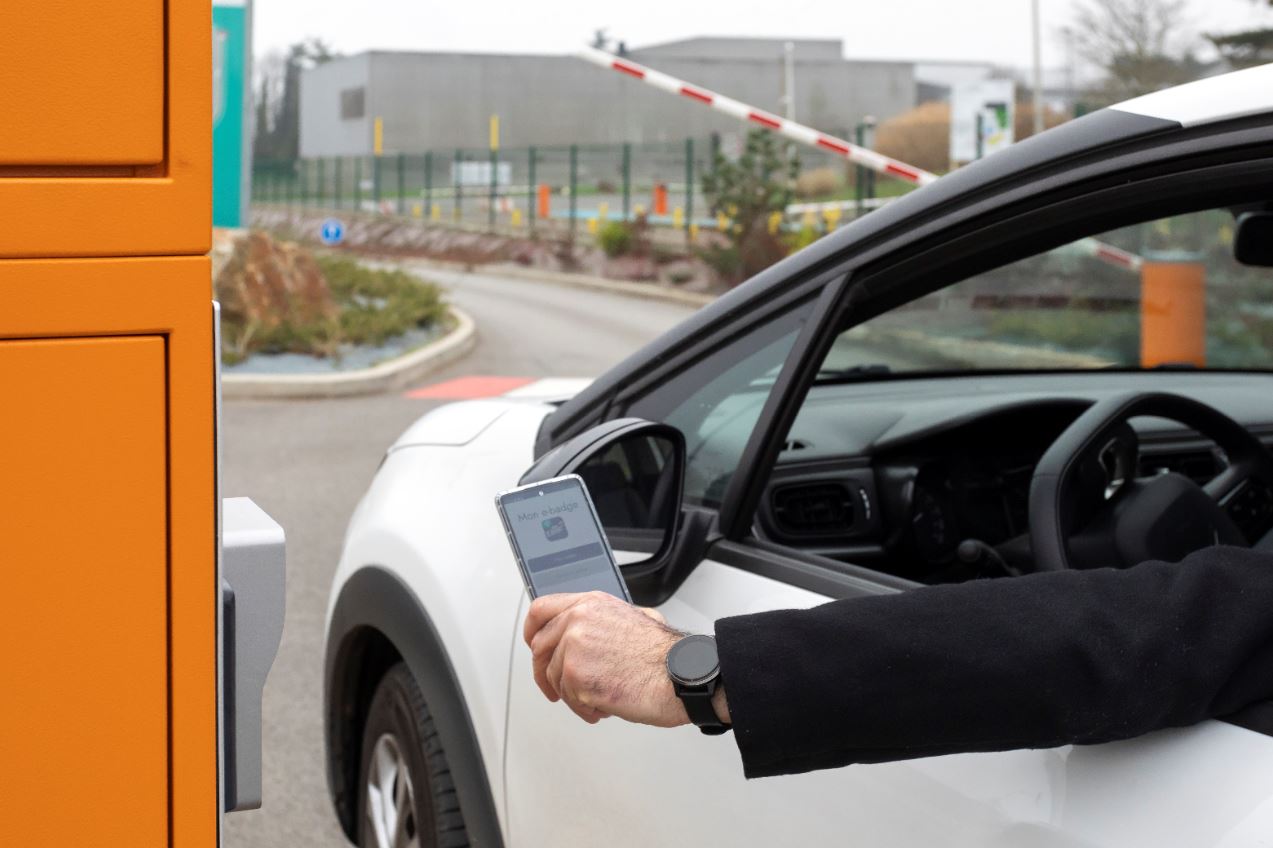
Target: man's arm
x,y
1029,662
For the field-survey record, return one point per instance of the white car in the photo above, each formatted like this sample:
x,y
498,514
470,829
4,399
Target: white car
x,y
841,423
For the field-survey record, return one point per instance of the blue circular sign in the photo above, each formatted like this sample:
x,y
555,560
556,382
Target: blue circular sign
x,y
332,231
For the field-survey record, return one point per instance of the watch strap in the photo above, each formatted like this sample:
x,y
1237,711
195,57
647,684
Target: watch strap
x,y
698,706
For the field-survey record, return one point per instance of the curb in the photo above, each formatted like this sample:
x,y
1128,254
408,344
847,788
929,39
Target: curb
x,y
388,376
644,291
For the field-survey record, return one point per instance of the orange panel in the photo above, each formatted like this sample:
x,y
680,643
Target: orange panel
x,y
1173,314
84,82
169,298
82,205
83,614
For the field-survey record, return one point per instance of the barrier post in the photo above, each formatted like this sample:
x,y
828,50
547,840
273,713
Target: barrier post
x,y
357,183
457,189
322,182
1173,310
689,184
376,168
336,181
574,186
494,191
627,179
530,187
660,198
428,182
402,183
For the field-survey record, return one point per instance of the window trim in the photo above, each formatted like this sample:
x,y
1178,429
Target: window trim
x,y
899,277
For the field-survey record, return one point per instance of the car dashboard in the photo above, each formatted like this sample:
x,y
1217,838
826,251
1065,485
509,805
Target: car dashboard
x,y
894,475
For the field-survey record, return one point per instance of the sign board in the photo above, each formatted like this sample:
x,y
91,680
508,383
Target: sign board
x,y
332,232
479,173
991,100
231,112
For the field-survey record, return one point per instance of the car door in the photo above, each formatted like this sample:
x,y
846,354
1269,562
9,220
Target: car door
x,y
620,784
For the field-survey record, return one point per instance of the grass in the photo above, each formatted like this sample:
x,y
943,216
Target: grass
x,y
376,305
372,307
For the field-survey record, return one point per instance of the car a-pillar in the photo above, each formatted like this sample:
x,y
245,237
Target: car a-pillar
x,y
116,727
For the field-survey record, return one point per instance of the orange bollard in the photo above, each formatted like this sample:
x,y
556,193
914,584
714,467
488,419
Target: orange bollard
x,y
1173,313
544,206
660,199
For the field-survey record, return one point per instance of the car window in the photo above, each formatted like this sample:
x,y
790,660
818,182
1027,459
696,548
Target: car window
x,y
1162,293
716,402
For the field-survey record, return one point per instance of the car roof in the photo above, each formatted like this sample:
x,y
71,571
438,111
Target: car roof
x,y
1219,98
1216,99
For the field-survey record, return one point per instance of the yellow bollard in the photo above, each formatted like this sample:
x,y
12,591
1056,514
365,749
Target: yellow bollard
x,y
693,232
517,218
722,221
832,217
639,209
592,226
775,223
678,217
417,210
603,211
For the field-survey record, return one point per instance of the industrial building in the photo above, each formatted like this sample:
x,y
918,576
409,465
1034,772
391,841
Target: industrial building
x,y
436,101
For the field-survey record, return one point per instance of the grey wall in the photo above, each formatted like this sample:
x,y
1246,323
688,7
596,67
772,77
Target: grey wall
x,y
436,101
323,132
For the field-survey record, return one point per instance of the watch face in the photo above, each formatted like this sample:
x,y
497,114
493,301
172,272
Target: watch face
x,y
693,659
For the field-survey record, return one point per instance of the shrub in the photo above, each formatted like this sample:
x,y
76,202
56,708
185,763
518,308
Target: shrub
x,y
615,238
820,182
748,191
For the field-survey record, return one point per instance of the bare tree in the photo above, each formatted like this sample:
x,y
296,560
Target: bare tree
x,y
1248,47
1139,45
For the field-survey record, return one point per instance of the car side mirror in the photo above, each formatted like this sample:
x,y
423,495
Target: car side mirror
x,y
635,473
1253,239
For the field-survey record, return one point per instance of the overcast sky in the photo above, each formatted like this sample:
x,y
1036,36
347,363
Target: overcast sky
x,y
979,30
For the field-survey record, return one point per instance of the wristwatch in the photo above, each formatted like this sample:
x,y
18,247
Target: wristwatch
x,y
694,667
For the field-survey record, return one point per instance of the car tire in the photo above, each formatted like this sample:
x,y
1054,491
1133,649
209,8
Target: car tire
x,y
406,796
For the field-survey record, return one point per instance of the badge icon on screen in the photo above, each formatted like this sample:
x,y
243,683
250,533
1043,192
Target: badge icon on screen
x,y
554,528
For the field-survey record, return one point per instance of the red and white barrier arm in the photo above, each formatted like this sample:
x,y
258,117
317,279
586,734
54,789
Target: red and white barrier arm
x,y
1109,254
811,137
743,112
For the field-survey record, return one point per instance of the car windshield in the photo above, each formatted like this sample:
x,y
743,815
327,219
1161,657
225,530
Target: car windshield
x,y
1166,293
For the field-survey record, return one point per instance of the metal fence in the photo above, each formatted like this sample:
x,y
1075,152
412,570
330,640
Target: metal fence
x,y
573,184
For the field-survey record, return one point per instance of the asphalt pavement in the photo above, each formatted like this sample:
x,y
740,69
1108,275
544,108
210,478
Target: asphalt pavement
x,y
307,463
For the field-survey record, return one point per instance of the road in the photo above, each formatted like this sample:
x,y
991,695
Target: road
x,y
307,462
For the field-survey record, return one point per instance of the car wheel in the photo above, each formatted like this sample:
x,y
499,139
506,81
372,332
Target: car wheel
x,y
407,797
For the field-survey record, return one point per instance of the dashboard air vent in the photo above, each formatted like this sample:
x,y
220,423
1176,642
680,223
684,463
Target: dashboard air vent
x,y
813,509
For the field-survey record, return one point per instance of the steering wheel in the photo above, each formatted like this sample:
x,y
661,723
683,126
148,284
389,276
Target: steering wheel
x,y
1087,507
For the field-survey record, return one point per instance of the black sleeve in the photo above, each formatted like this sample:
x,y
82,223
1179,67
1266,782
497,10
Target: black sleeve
x,y
1029,662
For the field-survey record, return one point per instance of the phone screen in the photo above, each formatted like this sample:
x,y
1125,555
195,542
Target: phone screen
x,y
559,539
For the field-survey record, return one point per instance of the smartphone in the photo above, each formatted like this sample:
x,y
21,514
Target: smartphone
x,y
557,539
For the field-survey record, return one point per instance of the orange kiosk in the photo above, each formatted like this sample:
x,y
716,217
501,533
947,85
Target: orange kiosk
x,y
110,593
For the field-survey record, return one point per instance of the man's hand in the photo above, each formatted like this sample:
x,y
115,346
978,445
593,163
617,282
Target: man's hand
x,y
604,657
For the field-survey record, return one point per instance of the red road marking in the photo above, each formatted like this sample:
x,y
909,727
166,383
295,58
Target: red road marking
x,y
468,388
